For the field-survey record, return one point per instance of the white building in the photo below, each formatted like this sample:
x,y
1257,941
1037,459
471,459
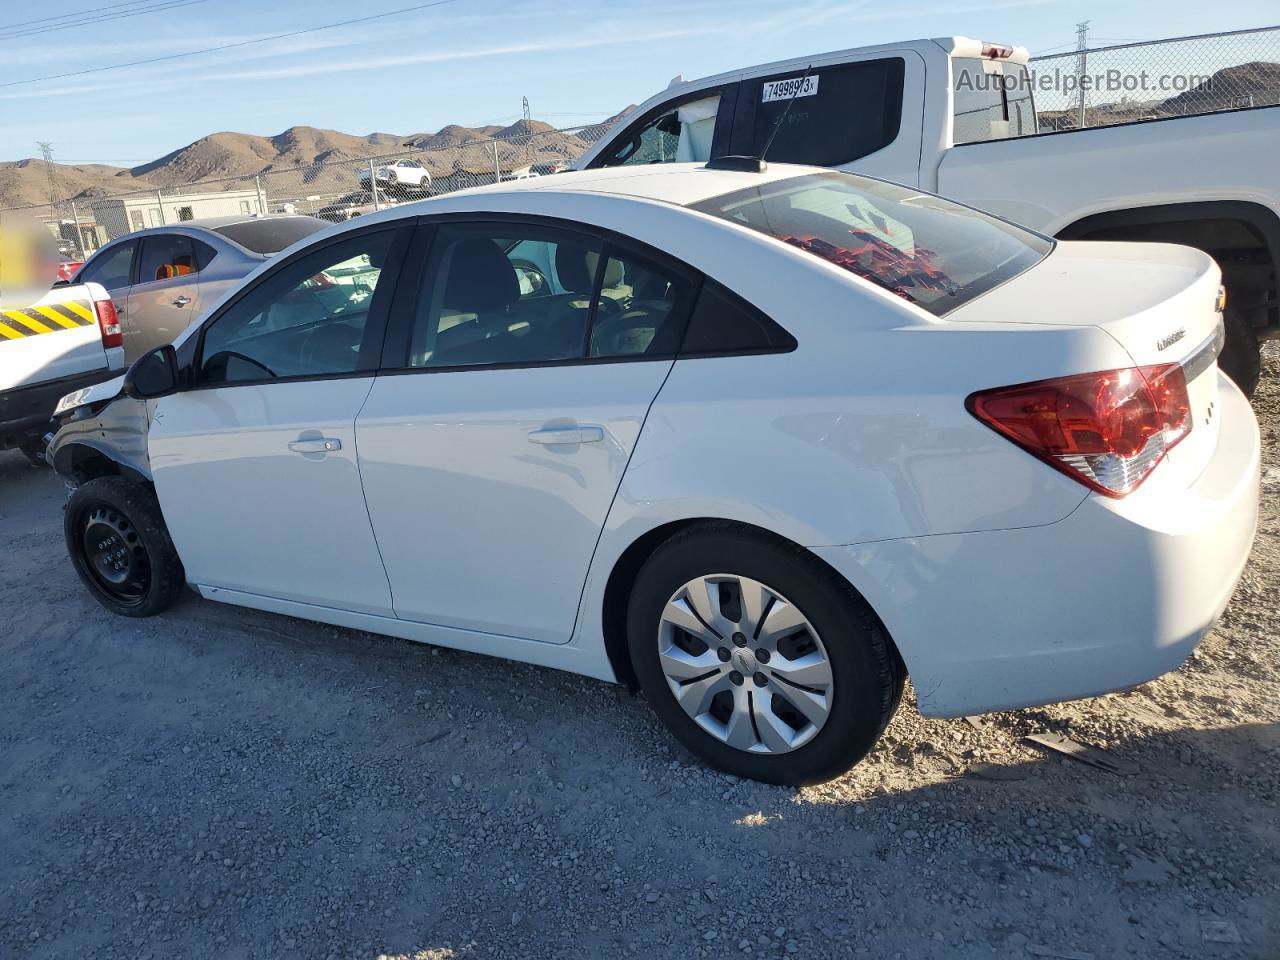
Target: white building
x,y
121,215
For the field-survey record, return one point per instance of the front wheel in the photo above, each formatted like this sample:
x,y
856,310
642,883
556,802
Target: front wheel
x,y
759,658
120,547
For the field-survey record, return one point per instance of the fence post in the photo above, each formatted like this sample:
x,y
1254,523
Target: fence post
x,y
262,203
75,217
163,219
373,186
497,170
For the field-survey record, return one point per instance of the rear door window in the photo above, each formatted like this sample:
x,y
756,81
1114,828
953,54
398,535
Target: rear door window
x,y
165,256
838,114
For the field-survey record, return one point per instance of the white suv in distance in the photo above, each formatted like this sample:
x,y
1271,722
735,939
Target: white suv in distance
x,y
399,177
761,443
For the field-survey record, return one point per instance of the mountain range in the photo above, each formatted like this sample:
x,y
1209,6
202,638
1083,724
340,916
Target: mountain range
x,y
227,154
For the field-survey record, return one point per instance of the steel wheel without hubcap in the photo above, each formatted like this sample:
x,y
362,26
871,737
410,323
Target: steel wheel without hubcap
x,y
745,664
114,554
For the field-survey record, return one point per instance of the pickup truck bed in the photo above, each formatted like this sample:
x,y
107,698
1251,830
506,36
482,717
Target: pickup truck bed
x,y
48,350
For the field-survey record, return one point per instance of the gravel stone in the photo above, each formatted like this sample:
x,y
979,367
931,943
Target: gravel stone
x,y
220,782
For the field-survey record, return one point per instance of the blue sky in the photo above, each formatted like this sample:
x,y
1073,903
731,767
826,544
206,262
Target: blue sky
x,y
468,61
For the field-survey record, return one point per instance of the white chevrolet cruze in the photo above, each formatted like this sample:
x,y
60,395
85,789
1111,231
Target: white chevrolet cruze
x,y
762,443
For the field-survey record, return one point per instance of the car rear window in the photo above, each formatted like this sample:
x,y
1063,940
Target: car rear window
x,y
271,234
932,252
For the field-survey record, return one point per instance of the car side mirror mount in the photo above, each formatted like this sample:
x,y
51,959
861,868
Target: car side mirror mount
x,y
153,375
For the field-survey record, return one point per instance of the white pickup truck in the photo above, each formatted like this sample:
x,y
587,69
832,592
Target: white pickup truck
x,y
65,342
927,113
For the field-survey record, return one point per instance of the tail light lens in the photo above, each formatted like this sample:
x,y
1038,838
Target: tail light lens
x,y
1107,430
108,323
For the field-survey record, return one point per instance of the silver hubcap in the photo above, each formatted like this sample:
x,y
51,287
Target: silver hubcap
x,y
745,663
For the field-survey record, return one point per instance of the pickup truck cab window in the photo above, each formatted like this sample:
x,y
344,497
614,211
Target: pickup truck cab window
x,y
837,114
682,131
307,319
991,100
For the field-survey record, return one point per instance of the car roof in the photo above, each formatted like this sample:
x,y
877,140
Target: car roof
x,y
214,223
210,227
681,184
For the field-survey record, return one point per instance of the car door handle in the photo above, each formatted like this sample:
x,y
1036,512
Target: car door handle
x,y
319,445
180,301
567,435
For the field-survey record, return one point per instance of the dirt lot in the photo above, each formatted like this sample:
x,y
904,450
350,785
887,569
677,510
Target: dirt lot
x,y
223,783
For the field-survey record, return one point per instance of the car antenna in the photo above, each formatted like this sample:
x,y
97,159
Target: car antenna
x,y
747,164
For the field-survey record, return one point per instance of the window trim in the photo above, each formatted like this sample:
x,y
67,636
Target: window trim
x,y
745,121
375,326
399,331
721,137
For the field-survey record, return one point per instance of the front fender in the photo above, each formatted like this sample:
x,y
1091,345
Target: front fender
x,y
117,433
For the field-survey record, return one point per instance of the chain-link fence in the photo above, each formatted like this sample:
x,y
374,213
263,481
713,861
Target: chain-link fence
x,y
1109,85
335,190
1159,79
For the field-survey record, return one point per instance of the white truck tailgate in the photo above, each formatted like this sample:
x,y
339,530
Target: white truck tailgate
x,y
54,338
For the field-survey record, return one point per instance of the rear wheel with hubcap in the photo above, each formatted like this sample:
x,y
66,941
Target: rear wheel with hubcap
x,y
758,657
121,550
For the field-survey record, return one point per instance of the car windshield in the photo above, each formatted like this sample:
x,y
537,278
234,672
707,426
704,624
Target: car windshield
x,y
270,234
932,252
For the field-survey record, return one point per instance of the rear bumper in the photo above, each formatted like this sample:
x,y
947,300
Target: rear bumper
x,y
1117,593
27,412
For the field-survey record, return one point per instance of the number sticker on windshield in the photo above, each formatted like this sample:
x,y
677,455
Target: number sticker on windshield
x,y
786,89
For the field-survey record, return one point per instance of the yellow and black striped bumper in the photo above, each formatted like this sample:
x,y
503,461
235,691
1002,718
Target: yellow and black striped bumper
x,y
51,318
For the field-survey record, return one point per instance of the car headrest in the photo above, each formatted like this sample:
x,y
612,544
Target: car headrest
x,y
167,271
576,267
481,278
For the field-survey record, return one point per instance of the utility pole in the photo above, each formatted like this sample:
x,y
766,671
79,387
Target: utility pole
x,y
1082,44
528,129
46,150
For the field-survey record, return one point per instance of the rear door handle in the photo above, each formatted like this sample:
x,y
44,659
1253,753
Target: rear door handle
x,y
320,445
180,301
567,435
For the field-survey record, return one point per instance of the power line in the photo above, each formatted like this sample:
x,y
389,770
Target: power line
x,y
157,7
68,16
229,46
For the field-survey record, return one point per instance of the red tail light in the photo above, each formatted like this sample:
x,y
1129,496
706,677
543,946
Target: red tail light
x,y
1107,430
108,323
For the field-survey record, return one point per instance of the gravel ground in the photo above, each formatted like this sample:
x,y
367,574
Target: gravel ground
x,y
218,782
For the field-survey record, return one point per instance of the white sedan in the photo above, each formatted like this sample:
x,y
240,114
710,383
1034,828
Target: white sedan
x,y
761,443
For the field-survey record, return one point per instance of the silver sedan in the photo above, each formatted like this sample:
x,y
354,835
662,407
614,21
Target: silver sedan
x,y
162,277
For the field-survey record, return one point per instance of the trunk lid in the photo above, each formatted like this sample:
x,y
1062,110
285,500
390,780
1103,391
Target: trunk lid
x,y
56,337
1159,301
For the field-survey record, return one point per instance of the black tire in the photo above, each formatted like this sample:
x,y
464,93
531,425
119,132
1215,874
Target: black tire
x,y
1241,357
867,674
120,547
